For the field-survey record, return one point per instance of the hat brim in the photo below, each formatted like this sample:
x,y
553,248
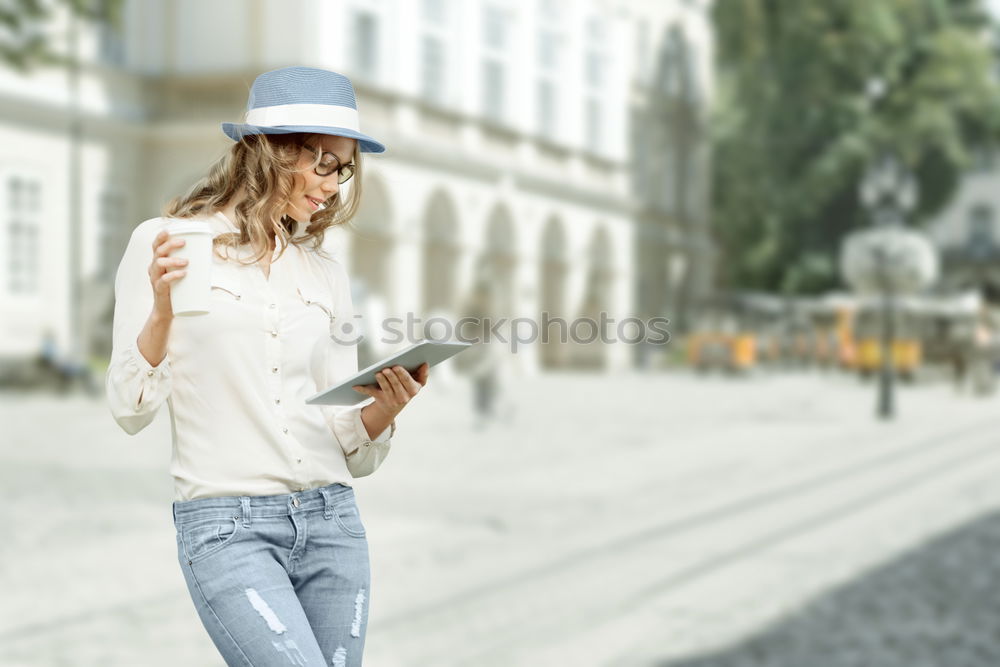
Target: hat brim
x,y
237,131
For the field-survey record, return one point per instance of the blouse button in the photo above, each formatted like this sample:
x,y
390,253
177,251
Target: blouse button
x,y
273,306
277,401
149,373
274,370
284,430
274,334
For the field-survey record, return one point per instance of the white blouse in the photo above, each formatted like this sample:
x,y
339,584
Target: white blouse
x,y
235,380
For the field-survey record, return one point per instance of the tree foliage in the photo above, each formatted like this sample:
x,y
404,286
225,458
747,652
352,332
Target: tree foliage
x,y
810,92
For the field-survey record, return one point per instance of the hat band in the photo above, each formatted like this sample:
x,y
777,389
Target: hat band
x,y
323,115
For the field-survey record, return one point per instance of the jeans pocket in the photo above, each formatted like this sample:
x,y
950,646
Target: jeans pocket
x,y
204,537
348,518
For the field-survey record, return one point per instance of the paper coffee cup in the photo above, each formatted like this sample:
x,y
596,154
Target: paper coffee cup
x,y
192,294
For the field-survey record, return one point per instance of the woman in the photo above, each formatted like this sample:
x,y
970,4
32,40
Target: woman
x,y
268,534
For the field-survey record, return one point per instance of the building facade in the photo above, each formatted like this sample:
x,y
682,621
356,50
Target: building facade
x,y
555,150
967,232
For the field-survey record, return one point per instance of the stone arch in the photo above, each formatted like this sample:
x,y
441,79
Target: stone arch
x,y
441,253
597,298
372,244
553,272
498,261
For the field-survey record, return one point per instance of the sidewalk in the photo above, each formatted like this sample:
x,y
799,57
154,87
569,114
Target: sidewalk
x,y
557,539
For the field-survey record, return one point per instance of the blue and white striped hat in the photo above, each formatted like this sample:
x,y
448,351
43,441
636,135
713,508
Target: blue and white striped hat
x,y
302,99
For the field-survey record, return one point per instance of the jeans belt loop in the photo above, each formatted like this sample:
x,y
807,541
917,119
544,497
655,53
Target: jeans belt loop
x,y
245,503
327,504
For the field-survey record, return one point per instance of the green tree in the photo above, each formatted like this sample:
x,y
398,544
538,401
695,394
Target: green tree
x,y
809,93
26,42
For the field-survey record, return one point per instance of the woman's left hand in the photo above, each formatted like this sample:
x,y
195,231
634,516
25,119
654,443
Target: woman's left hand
x,y
396,386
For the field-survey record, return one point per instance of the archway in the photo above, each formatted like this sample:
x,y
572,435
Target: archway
x,y
441,251
553,269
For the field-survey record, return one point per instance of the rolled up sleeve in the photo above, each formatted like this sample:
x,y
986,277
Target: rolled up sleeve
x,y
135,389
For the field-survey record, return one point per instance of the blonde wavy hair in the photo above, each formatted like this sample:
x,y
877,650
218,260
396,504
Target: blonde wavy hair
x,y
265,165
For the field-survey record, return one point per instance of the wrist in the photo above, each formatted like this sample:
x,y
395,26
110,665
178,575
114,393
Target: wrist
x,y
160,319
374,410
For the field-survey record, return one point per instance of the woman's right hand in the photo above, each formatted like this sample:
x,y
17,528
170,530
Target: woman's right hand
x,y
164,271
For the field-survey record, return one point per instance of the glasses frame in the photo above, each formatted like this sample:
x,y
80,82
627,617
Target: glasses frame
x,y
341,169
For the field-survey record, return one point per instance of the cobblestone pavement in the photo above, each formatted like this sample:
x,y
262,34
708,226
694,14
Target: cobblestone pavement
x,y
611,520
937,605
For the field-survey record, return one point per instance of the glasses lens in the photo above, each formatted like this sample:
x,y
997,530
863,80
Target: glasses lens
x,y
345,173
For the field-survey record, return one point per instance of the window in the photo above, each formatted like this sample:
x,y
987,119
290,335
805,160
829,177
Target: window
x,y
433,49
493,93
111,43
495,62
592,123
494,27
546,108
23,252
642,51
366,47
435,11
549,43
548,50
677,79
112,219
981,231
432,84
594,64
548,10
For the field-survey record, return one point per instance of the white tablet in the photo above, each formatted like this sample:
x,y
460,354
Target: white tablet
x,y
431,352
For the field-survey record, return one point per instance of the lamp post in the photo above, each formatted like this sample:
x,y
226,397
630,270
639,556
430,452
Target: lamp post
x,y
888,260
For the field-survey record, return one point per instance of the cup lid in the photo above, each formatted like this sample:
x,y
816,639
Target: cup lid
x,y
188,227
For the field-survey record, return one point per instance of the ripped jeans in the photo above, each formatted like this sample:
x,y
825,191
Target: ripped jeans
x,y
278,580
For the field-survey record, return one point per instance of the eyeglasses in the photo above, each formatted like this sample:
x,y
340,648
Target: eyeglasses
x,y
327,166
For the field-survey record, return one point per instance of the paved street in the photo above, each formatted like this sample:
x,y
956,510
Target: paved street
x,y
613,520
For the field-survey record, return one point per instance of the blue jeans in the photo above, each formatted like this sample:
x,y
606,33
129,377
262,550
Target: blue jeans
x,y
278,580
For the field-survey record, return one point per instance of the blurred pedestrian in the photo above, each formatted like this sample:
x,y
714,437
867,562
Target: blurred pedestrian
x,y
983,379
481,363
959,353
269,537
440,325
53,366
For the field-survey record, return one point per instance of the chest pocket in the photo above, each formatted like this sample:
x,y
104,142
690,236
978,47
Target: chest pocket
x,y
318,306
226,282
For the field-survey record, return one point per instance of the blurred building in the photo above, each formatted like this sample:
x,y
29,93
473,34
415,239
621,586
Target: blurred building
x,y
553,148
967,231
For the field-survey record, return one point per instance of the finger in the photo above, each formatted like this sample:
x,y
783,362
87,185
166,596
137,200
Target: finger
x,y
383,382
398,393
172,276
160,238
407,382
168,247
167,262
162,285
423,373
397,385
